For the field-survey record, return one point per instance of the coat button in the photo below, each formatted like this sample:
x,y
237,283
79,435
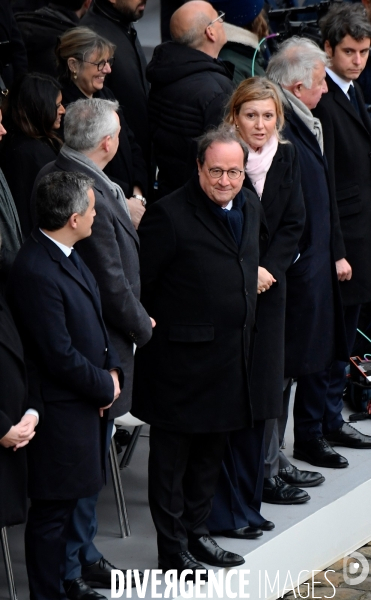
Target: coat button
x,y
246,292
241,259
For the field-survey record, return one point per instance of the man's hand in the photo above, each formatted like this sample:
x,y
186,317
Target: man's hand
x,y
136,210
343,270
116,384
29,421
265,280
153,322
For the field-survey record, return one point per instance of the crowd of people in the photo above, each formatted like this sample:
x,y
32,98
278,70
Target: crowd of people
x,y
181,240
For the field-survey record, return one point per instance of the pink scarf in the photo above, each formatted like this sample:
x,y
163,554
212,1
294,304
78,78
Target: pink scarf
x,y
259,163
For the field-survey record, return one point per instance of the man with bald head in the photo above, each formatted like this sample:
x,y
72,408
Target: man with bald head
x,y
190,88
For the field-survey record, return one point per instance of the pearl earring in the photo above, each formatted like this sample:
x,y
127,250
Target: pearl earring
x,y
74,75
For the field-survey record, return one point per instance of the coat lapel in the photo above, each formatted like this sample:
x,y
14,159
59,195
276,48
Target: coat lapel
x,y
342,100
274,177
210,221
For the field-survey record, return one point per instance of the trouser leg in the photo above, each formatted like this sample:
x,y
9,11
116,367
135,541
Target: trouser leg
x,y
181,475
333,419
309,405
45,546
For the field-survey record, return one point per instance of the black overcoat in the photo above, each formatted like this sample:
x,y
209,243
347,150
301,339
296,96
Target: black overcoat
x,y
284,211
127,80
68,355
21,158
347,139
201,290
13,403
111,253
314,333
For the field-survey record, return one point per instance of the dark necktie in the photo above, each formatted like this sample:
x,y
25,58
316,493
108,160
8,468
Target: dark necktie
x,y
75,259
352,98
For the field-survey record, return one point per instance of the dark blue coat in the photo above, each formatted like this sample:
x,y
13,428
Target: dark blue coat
x,y
314,323
68,355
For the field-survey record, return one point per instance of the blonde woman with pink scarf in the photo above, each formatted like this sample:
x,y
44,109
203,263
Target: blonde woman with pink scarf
x,y
273,173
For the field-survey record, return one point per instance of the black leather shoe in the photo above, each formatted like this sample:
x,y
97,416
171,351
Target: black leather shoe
x,y
180,562
267,526
297,478
349,437
207,550
244,533
77,589
319,452
276,491
99,574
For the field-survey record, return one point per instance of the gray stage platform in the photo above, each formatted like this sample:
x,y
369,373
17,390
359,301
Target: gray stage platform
x,y
336,521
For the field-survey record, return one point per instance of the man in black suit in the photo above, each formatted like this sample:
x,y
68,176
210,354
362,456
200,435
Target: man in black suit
x,y
91,131
73,370
346,34
314,335
199,261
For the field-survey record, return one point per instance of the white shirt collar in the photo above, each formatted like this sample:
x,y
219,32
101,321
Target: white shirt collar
x,y
65,249
343,85
229,205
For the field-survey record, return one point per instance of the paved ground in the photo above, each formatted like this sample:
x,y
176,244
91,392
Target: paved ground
x,y
340,590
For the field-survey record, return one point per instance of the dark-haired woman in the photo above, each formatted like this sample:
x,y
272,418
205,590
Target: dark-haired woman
x,y
85,58
33,117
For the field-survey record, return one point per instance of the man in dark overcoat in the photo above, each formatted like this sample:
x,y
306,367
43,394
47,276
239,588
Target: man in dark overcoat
x,y
199,261
346,34
73,370
190,88
314,325
113,19
111,253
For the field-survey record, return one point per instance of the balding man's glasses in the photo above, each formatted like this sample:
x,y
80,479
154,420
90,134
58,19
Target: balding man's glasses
x,y
220,18
217,173
101,64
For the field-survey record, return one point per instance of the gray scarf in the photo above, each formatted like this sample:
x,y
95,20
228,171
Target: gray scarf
x,y
97,174
313,124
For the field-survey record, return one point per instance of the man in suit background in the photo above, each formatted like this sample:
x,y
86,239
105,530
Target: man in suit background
x,y
346,34
314,324
73,370
91,131
191,380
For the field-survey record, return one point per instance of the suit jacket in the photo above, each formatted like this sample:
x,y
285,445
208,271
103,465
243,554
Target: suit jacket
x,y
314,333
284,211
201,289
111,253
347,139
68,355
13,403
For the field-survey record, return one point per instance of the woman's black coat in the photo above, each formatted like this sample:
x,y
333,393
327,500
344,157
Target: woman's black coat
x,y
284,211
128,167
21,159
13,396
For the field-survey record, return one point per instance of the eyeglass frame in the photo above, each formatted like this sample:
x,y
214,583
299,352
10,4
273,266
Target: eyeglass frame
x,y
110,62
225,171
220,17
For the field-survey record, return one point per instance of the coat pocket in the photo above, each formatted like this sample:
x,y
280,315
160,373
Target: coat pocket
x,y
349,202
201,332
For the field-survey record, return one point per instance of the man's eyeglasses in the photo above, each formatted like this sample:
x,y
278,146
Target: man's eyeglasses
x,y
217,173
101,64
220,17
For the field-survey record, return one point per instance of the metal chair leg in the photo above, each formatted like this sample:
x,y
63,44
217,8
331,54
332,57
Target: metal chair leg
x,y
125,461
119,492
8,564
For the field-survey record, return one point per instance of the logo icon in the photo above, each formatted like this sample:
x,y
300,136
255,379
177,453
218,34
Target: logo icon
x,y
355,568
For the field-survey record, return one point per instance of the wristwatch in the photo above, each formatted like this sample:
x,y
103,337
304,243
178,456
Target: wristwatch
x,y
141,198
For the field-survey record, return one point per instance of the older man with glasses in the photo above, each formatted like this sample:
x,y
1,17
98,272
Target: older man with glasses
x,y
191,381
